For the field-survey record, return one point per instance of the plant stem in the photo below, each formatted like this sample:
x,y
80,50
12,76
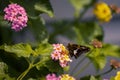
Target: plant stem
x,y
25,72
77,65
106,72
82,69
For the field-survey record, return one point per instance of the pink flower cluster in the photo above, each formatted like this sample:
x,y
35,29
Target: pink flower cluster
x,y
16,14
52,77
61,53
62,77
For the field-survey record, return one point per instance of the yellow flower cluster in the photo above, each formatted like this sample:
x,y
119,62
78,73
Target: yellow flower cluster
x,y
65,54
66,77
117,77
62,54
102,11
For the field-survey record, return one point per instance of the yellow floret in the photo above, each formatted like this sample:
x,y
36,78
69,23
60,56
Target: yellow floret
x,y
117,77
102,12
64,50
66,77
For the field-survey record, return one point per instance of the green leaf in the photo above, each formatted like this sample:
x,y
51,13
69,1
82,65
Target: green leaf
x,y
44,48
87,31
111,50
3,23
36,7
42,62
38,29
3,68
45,60
81,32
5,31
54,66
3,72
21,50
44,51
44,6
92,78
79,4
3,4
6,77
97,58
99,62
32,79
61,28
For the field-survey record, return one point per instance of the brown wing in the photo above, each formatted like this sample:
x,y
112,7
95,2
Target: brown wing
x,y
76,50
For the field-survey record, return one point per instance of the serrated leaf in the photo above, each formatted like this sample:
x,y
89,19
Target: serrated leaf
x,y
44,51
111,50
54,66
21,50
87,31
38,29
99,62
3,72
36,7
97,58
44,48
6,77
3,68
42,62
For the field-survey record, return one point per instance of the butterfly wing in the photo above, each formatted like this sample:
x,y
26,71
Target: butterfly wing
x,y
76,50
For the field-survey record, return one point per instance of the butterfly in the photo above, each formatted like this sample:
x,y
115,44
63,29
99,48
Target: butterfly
x,y
76,50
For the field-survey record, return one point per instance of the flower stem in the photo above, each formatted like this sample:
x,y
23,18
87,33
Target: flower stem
x,y
25,72
82,69
106,72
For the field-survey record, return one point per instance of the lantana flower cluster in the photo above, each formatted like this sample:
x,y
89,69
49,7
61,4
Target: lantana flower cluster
x,y
62,77
61,53
16,14
52,77
102,11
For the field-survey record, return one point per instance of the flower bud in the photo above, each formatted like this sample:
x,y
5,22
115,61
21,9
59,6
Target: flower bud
x,y
97,44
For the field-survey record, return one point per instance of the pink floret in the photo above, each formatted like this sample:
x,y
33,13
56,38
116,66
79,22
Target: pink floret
x,y
17,15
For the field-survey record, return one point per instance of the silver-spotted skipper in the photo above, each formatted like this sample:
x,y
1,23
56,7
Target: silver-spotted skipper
x,y
76,50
